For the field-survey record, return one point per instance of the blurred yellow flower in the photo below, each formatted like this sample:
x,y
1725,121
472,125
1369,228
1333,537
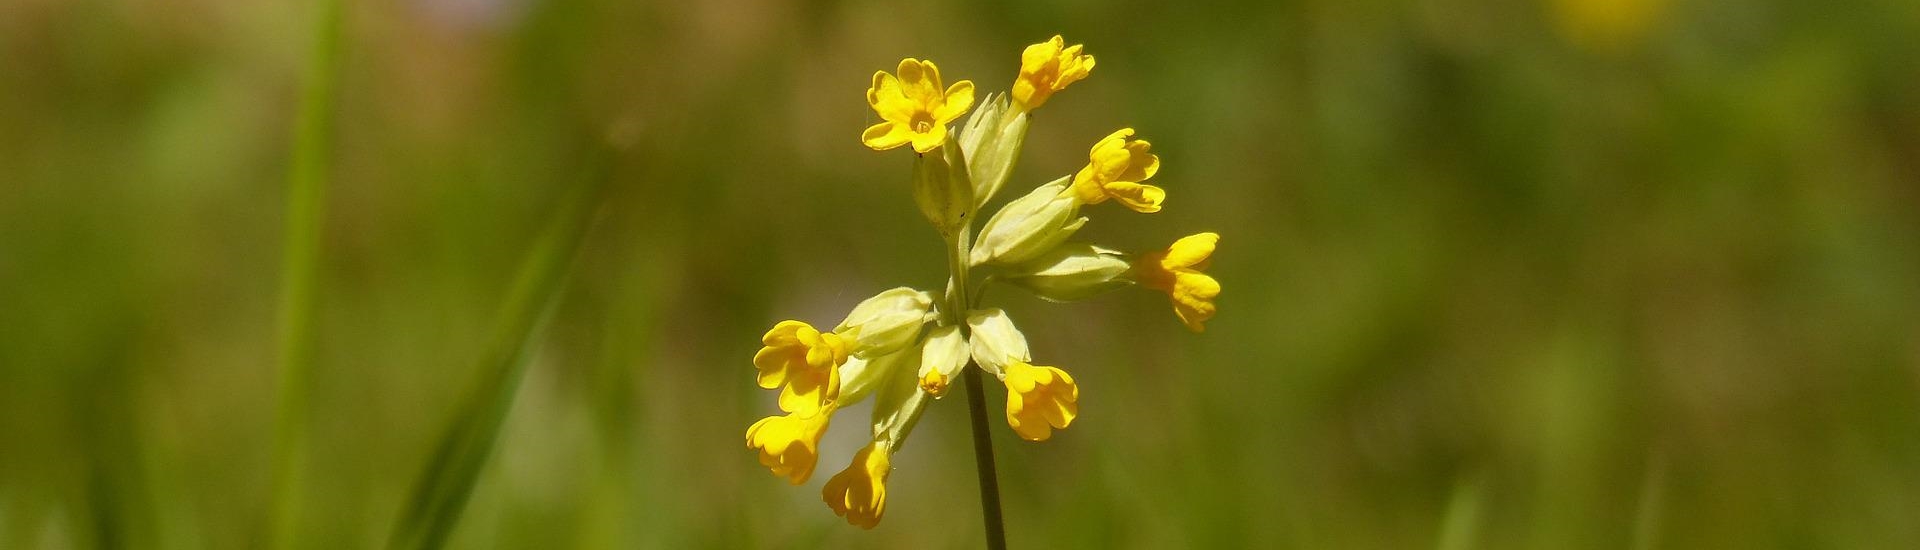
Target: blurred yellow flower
x,y
1046,68
913,107
790,445
1115,168
1607,26
1040,399
1177,271
806,361
859,493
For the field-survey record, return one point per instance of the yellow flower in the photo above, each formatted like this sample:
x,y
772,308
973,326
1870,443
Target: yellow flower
x,y
913,107
1176,271
790,445
1040,399
1046,68
1115,168
859,493
807,361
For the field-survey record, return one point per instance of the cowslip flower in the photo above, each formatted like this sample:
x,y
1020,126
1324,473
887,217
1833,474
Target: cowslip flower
x,y
805,360
1177,272
913,107
1115,168
859,493
790,445
1046,68
905,347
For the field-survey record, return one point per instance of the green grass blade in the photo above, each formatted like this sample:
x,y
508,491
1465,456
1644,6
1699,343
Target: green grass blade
x,y
441,490
307,176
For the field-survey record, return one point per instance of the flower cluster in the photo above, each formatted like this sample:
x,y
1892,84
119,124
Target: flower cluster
x,y
904,347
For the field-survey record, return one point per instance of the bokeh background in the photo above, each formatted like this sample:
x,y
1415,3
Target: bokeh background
x,y
1499,274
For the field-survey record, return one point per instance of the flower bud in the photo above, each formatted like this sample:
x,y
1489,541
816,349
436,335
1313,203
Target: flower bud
x,y
942,188
886,322
1029,226
1072,271
992,140
996,343
943,356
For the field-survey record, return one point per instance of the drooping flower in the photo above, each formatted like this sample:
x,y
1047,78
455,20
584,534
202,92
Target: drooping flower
x,y
1115,168
790,445
1046,68
859,493
913,107
1177,272
805,361
1039,400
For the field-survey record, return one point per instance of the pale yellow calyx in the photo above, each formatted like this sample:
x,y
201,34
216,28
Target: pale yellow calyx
x,y
886,322
1072,271
1040,400
1046,68
943,355
789,445
1028,226
859,493
996,343
1115,168
805,361
913,108
1177,272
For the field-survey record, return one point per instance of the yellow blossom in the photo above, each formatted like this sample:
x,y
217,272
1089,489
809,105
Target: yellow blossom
x,y
859,493
807,361
1114,170
913,107
1040,399
1046,68
1177,272
790,445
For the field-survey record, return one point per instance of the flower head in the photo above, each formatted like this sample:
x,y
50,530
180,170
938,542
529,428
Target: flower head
x,y
1046,68
1040,399
913,107
1115,168
806,361
859,493
789,445
1177,272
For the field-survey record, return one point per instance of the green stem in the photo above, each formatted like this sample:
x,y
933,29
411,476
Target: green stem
x,y
306,197
957,305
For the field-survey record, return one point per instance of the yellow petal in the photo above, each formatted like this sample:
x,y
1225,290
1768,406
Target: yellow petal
x,y
888,99
1190,250
1193,295
886,135
1142,164
1040,400
959,99
1141,198
920,81
929,140
859,493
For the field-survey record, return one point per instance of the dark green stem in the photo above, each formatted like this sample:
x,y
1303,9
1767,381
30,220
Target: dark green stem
x,y
983,461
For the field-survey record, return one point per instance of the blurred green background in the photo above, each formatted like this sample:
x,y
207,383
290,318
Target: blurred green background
x,y
1502,274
